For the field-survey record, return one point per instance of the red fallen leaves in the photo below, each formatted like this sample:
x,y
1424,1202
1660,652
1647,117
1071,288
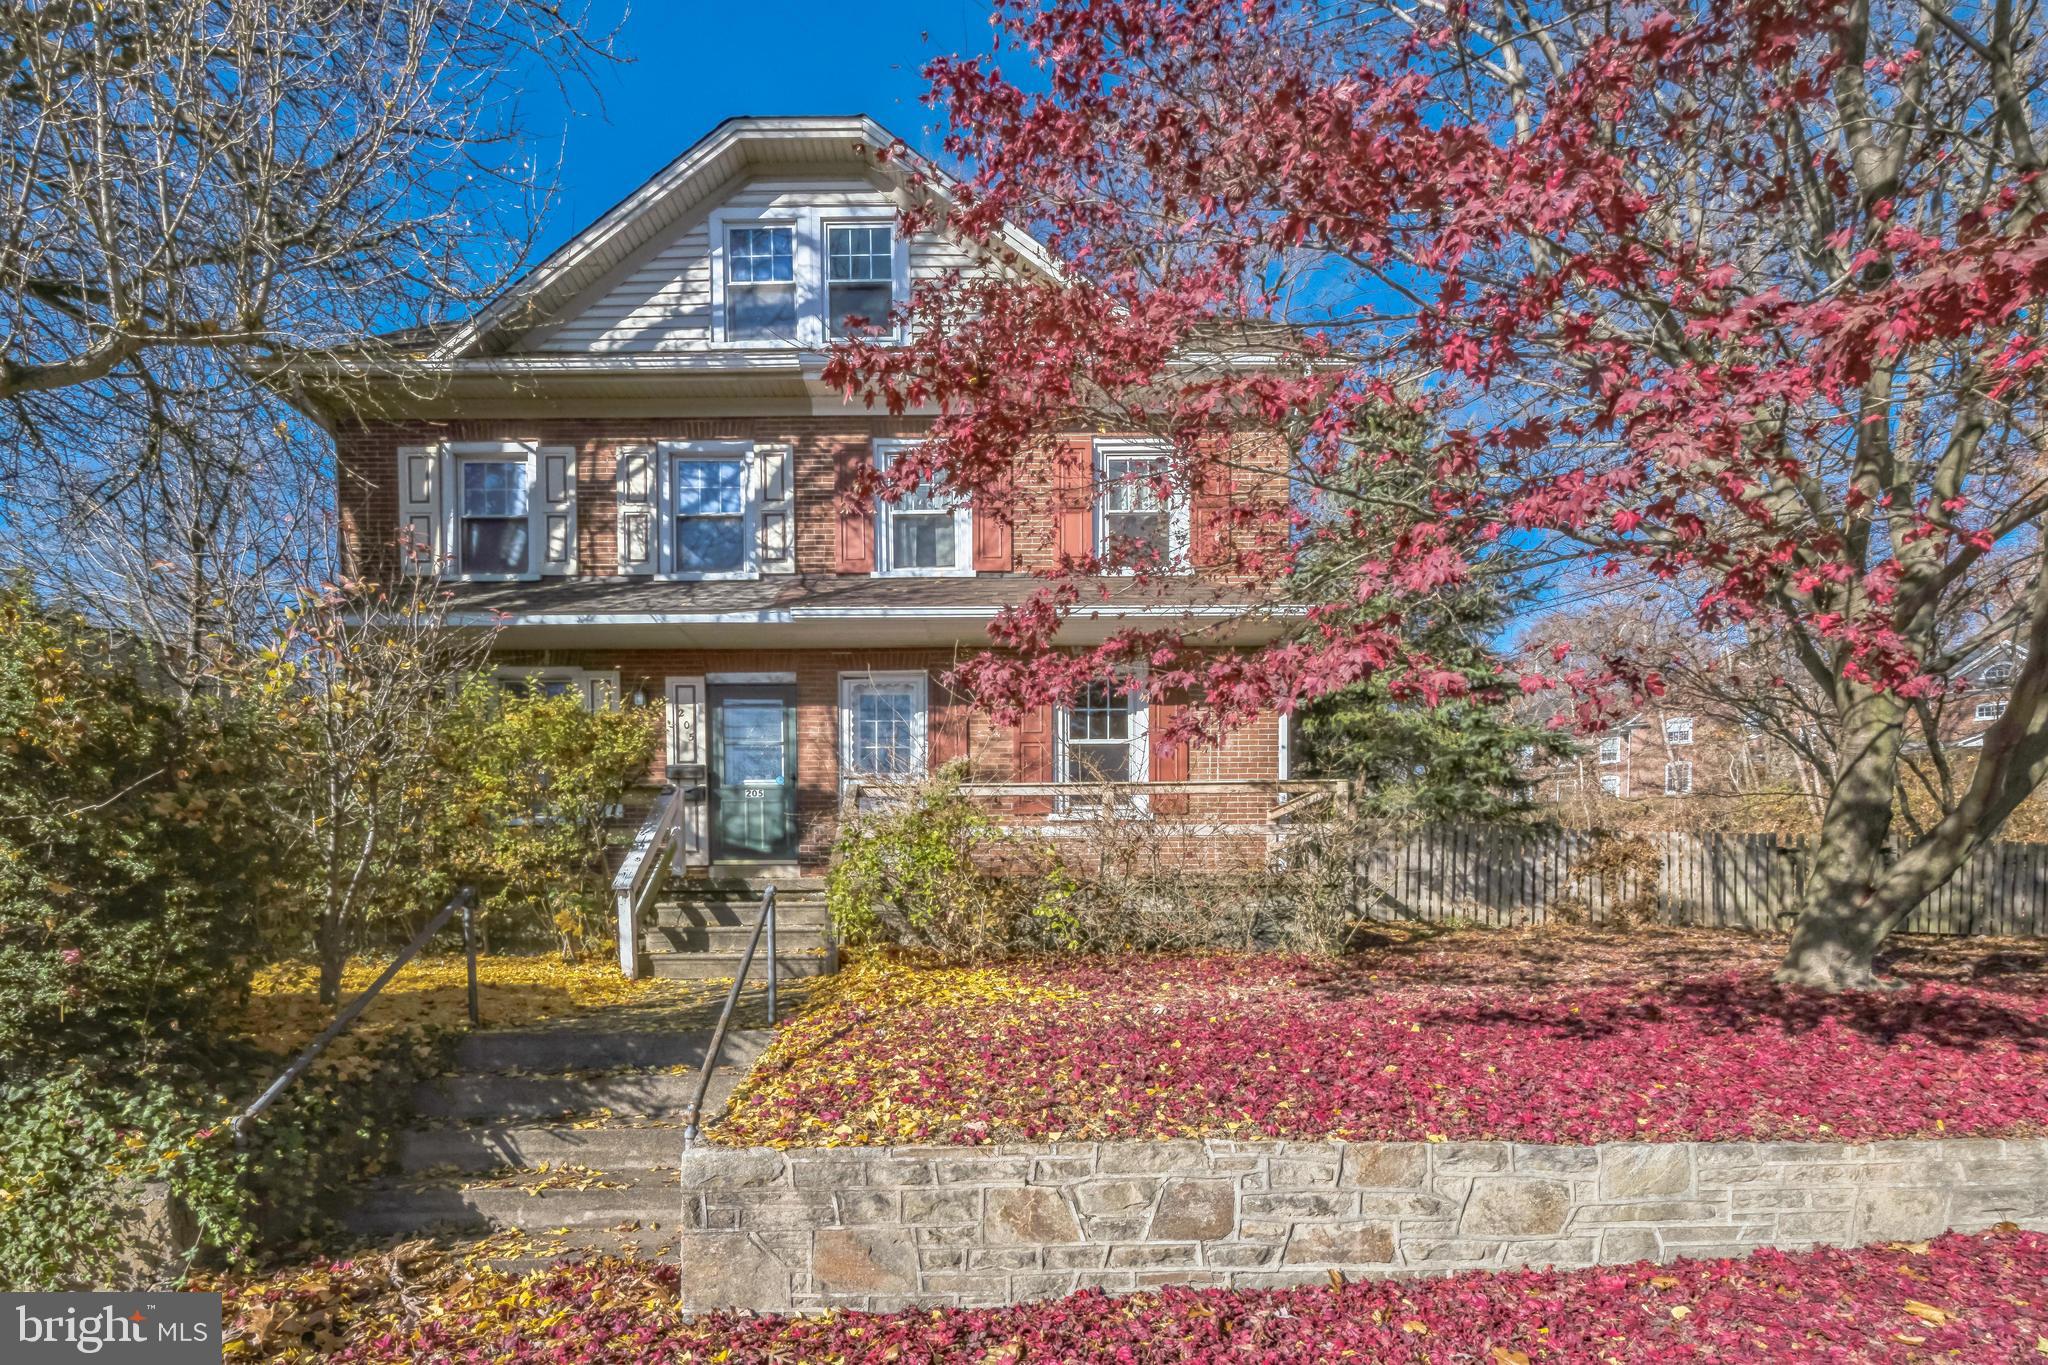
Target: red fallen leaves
x,y
1535,1037
1957,1298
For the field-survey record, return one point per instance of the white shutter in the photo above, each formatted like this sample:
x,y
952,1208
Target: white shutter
x,y
686,744
419,486
553,508
636,509
775,467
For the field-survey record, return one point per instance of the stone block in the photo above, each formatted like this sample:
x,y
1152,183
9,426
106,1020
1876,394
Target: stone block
x,y
1304,1204
1621,1245
1833,1228
941,1207
730,1270
1512,1206
1644,1170
1386,1165
982,1170
1195,1211
727,1169
1468,1158
1159,1158
1116,1196
1746,1232
899,1170
1114,1227
1805,1151
1145,1254
961,1235
967,1288
1240,1255
1768,1200
1553,1251
1901,1215
1287,1173
1340,1244
868,1206
1529,1158
1424,1251
1192,1279
1061,1170
1263,1229
1278,1279
1971,1208
864,1261
1404,1204
827,1174
942,1258
1003,1258
1108,1281
813,1209
1076,1258
1028,1214
1650,1211
1040,1285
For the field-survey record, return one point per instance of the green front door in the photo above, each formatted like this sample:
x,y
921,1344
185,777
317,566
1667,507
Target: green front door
x,y
753,773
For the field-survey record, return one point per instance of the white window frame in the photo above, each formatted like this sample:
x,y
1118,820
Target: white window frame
x,y
808,261
1989,710
1179,514
1677,730
1672,770
1139,740
452,457
1620,746
1998,673
599,687
886,451
1610,784
851,685
669,452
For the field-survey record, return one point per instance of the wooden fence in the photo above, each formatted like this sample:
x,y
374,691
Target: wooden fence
x,y
1511,876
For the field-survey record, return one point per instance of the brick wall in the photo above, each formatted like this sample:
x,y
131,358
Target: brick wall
x,y
886,1228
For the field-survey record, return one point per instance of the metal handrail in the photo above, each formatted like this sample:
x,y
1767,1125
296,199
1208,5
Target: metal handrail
x,y
644,871
732,998
464,901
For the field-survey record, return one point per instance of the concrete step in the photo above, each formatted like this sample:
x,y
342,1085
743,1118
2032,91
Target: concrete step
x,y
738,915
747,886
502,1097
788,939
404,1210
709,966
544,1050
612,1147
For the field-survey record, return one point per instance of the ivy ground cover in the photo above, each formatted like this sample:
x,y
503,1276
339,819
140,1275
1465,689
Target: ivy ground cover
x,y
1536,1036
1957,1298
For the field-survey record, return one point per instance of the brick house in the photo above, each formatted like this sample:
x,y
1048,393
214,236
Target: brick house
x,y
630,466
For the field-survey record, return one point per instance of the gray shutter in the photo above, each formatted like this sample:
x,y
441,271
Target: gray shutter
x,y
636,509
776,466
555,506
418,514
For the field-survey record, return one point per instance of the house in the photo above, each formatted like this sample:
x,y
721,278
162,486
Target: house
x,y
629,466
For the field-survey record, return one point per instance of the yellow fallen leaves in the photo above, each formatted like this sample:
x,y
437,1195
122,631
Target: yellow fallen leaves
x,y
1928,1313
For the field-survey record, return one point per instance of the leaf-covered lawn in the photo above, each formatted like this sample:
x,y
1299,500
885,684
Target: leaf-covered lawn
x,y
1535,1036
1957,1298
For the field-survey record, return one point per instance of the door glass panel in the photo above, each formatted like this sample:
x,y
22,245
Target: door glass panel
x,y
752,730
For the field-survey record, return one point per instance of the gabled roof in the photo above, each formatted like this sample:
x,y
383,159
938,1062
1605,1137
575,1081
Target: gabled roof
x,y
742,145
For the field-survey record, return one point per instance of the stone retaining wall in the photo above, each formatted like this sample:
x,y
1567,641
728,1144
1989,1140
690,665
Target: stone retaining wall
x,y
889,1227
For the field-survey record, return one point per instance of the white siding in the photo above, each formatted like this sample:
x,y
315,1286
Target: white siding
x,y
662,300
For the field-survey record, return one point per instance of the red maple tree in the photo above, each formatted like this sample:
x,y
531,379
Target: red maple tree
x,y
1739,301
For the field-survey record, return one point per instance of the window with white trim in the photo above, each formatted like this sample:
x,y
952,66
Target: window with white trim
x,y
1139,522
1678,779
1102,737
883,723
760,283
926,533
1610,784
493,516
860,277
1990,710
1678,729
594,687
1610,749
1996,675
711,510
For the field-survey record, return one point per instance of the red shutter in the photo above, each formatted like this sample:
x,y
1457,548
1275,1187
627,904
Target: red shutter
x,y
1166,765
992,549
1074,497
948,729
856,512
1209,513
1031,757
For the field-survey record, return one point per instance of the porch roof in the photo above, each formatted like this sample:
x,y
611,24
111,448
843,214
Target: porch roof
x,y
844,609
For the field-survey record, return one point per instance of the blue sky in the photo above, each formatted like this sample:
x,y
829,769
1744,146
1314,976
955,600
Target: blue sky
x,y
690,64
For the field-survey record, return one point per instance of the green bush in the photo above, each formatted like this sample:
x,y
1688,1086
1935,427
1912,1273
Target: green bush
x,y
134,850
933,872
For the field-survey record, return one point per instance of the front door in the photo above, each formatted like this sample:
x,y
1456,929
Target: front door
x,y
753,773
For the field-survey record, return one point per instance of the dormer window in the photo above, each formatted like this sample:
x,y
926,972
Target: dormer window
x,y
860,278
760,284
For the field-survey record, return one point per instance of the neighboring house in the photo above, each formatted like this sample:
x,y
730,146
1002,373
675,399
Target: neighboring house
x,y
631,466
1674,750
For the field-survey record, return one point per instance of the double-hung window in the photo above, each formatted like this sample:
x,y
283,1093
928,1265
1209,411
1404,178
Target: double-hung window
x,y
760,283
711,517
1678,779
1139,523
926,533
1610,749
1610,784
1102,736
882,719
493,525
860,278
1989,710
1678,729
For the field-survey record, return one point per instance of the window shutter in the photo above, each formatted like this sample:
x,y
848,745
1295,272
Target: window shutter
x,y
1074,498
1031,757
775,465
1166,764
946,730
635,479
992,544
856,512
419,486
1209,511
553,501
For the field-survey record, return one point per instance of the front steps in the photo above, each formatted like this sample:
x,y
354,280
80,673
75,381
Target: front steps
x,y
559,1141
701,928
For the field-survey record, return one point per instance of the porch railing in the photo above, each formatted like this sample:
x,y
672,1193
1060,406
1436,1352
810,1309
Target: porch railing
x,y
766,923
1291,797
640,877
463,903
